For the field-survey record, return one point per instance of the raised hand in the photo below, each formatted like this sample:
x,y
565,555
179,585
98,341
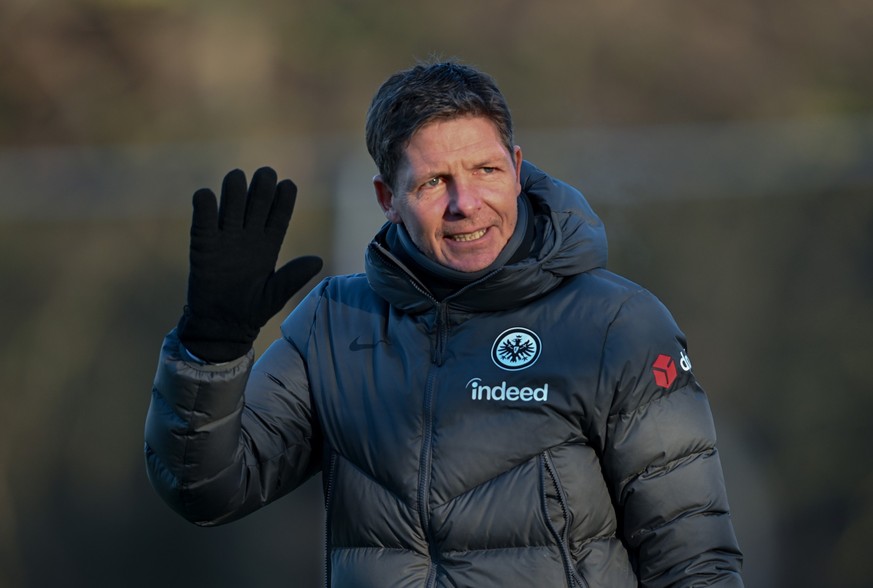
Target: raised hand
x,y
233,286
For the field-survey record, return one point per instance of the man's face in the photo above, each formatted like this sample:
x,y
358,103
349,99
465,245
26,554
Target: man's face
x,y
456,192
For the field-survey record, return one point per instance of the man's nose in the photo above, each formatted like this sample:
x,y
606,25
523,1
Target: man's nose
x,y
464,199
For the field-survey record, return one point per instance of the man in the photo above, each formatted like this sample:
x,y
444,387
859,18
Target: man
x,y
488,405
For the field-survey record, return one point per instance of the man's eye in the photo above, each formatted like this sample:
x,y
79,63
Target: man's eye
x,y
432,183
489,170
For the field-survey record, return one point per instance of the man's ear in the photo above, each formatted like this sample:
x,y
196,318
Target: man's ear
x,y
385,198
518,158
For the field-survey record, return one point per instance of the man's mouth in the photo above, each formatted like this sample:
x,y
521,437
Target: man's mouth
x,y
469,236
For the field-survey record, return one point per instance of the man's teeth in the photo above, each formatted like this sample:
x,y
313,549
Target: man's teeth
x,y
469,236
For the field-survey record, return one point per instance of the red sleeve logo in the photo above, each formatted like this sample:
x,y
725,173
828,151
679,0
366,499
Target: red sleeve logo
x,y
664,370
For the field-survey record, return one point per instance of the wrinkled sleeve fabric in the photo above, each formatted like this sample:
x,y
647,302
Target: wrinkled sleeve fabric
x,y
660,457
224,440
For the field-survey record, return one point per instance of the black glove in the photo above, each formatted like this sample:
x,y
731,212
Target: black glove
x,y
233,287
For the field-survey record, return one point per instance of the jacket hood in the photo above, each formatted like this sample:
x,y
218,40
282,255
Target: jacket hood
x,y
571,240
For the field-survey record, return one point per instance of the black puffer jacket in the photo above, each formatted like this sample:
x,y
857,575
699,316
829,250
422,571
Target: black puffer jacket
x,y
539,428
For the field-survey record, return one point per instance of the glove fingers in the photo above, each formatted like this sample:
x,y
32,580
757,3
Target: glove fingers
x,y
260,200
288,279
283,206
205,217
232,208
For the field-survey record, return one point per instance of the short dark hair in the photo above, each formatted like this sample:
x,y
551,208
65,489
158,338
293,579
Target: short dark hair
x,y
427,92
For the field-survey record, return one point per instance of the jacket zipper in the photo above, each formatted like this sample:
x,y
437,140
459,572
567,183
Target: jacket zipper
x,y
328,492
442,333
437,357
424,476
573,578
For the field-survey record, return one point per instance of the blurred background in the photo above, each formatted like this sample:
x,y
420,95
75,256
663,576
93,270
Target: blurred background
x,y
728,147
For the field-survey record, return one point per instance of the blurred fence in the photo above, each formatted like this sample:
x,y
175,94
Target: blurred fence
x,y
714,160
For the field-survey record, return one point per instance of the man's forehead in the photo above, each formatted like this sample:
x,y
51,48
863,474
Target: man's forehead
x,y
462,137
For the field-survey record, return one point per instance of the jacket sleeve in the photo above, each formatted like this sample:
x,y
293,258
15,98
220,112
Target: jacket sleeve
x,y
224,440
659,455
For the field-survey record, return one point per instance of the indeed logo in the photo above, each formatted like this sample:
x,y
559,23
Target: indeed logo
x,y
503,392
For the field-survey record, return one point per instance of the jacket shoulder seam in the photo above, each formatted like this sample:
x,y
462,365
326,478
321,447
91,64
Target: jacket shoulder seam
x,y
601,369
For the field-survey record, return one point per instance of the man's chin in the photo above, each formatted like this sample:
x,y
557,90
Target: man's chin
x,y
468,266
